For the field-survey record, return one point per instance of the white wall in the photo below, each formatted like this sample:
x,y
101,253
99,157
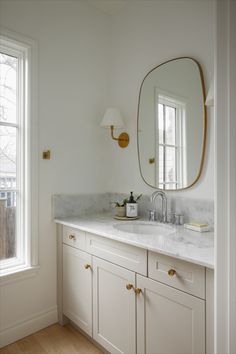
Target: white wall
x,y
73,61
145,34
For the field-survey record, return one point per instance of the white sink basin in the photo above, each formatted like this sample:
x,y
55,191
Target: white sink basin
x,y
143,228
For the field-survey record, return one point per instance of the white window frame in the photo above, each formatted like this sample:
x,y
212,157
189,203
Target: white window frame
x,y
179,103
25,50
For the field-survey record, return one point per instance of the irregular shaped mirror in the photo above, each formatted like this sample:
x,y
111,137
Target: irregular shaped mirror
x,y
172,125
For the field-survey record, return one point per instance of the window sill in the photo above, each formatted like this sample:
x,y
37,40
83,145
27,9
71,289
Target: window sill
x,y
17,274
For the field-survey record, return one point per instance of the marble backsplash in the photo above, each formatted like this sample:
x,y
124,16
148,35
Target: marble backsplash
x,y
64,205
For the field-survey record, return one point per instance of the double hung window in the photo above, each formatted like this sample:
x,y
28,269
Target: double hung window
x,y
16,156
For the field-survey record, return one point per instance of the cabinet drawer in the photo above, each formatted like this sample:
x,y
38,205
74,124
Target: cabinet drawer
x,y
178,274
73,237
125,255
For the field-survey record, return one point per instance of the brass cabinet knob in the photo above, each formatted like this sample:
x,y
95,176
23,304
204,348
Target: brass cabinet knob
x,y
129,286
71,237
87,266
137,290
171,272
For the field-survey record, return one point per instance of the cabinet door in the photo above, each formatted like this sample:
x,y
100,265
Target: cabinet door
x,y
77,287
113,307
168,320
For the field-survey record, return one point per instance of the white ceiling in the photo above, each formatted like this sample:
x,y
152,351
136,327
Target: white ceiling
x,y
109,6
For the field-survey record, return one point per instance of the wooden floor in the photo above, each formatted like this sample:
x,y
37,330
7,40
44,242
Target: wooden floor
x,y
53,340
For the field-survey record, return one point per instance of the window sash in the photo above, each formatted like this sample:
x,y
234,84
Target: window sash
x,y
22,251
165,146
165,98
15,44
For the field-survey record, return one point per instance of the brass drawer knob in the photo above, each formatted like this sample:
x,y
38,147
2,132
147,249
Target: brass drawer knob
x,y
171,272
137,290
71,237
87,266
129,286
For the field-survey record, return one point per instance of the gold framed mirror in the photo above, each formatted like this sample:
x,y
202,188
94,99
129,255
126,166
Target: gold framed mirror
x,y
171,125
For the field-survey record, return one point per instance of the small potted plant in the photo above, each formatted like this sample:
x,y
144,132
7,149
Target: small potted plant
x,y
120,208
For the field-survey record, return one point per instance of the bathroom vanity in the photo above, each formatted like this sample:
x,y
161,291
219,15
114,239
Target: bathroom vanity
x,y
136,291
144,287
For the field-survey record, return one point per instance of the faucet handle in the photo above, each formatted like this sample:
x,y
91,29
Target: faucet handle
x,y
152,215
164,218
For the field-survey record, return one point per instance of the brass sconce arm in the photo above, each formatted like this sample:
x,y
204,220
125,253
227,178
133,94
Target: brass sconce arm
x,y
123,138
112,133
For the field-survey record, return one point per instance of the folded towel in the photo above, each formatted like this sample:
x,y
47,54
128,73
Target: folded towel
x,y
197,227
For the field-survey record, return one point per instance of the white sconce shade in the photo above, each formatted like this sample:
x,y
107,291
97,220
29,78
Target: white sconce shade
x,y
210,96
112,117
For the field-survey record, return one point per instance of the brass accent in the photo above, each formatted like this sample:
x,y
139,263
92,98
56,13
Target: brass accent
x,y
71,237
47,155
123,138
171,272
204,123
129,286
87,266
137,291
152,160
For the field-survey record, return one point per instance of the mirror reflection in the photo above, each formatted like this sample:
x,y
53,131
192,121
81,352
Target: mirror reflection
x,y
172,125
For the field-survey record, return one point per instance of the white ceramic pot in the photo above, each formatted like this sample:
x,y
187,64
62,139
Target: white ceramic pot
x,y
120,211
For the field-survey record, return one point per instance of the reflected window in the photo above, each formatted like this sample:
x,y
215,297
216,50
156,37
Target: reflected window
x,y
170,136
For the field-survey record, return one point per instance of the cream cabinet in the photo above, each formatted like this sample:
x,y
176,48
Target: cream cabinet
x,y
187,277
77,287
169,321
133,301
114,307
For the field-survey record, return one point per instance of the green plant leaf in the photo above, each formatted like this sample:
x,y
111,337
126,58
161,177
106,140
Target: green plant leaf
x,y
138,197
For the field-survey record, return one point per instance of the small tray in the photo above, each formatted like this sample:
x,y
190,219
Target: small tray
x,y
126,218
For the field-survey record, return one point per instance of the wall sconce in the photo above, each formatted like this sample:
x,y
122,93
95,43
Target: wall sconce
x,y
210,96
112,119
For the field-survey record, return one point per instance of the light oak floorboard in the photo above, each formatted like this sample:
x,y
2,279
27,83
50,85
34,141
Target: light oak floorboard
x,y
53,340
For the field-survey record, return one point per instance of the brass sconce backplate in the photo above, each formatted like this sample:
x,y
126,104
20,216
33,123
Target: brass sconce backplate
x,y
123,140
47,155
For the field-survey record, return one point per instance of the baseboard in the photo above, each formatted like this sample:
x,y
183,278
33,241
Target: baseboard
x,y
28,326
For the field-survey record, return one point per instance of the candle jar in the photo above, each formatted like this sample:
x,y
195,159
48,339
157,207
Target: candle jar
x,y
131,210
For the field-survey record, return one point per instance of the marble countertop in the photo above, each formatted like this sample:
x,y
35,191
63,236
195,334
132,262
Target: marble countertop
x,y
191,246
